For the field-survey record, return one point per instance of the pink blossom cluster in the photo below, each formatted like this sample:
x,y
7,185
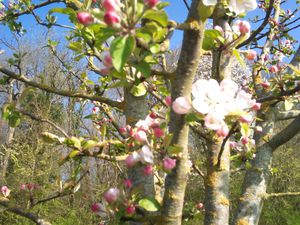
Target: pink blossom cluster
x,y
107,62
112,12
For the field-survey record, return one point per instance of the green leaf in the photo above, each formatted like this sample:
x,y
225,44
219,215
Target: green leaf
x,y
209,39
245,130
89,144
120,49
204,11
74,153
162,5
236,53
159,16
150,204
138,90
174,150
144,68
154,48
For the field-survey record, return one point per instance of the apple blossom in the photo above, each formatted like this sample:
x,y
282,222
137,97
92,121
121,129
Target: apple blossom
x,y
146,155
247,118
148,170
242,6
140,136
251,55
111,5
168,100
85,18
214,121
151,3
256,106
273,69
111,18
181,105
123,130
107,61
132,159
220,29
158,132
245,140
223,131
265,84
241,27
200,206
97,207
128,183
169,164
5,191
111,195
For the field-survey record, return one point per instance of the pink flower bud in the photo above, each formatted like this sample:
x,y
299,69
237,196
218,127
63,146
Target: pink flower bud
x,y
105,71
148,170
111,5
223,131
158,133
123,130
151,3
181,105
273,69
107,61
22,187
111,195
95,110
95,207
265,84
169,164
132,159
246,118
256,106
245,140
130,209
111,18
251,55
153,115
140,136
5,191
85,18
200,206
244,27
30,187
128,183
168,100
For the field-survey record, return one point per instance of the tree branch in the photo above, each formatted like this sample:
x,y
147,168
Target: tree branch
x,y
36,118
286,134
60,92
33,217
292,114
271,195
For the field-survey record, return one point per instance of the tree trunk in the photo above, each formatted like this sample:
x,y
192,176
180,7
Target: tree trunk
x,y
217,185
136,108
175,182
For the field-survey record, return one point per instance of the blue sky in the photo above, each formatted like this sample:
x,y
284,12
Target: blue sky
x,y
177,11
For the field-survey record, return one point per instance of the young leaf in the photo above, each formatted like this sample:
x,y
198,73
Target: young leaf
x,y
159,16
120,50
150,204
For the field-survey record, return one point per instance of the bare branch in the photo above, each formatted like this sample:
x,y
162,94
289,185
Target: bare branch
x,y
292,114
21,212
285,194
286,134
33,117
61,92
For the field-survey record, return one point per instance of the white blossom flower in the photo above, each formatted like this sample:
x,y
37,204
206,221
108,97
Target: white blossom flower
x,y
242,6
